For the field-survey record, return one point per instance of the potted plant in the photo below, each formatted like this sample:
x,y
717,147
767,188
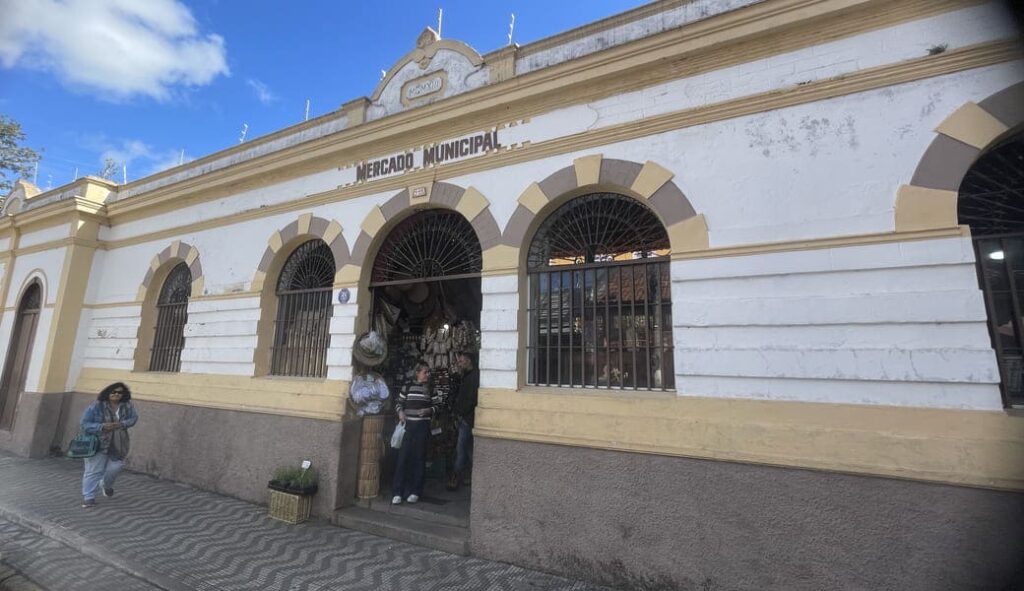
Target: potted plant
x,y
291,492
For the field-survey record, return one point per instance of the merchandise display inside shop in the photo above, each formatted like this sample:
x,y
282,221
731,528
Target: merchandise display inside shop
x,y
417,369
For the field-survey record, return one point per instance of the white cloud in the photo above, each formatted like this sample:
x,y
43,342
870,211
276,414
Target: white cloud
x,y
262,91
121,47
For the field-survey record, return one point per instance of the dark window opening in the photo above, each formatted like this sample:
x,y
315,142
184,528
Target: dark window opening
x,y
991,202
302,327
171,317
600,308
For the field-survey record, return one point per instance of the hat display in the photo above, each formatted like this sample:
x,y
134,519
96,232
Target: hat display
x,y
370,349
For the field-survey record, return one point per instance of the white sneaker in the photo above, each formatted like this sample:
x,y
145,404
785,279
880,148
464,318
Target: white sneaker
x,y
397,500
412,498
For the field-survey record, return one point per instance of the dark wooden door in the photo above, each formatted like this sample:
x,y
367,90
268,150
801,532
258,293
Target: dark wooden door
x,y
19,354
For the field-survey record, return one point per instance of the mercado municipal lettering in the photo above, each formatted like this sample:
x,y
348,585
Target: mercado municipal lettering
x,y
740,280
432,155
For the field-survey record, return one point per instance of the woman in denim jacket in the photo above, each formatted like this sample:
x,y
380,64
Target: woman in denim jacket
x,y
109,418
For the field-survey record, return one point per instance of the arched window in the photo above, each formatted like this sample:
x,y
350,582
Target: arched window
x,y
600,299
991,202
428,245
302,329
171,317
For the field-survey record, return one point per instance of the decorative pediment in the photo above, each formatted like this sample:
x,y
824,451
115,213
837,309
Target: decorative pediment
x,y
22,191
436,69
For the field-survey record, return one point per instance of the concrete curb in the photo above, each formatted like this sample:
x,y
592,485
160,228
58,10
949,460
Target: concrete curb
x,y
91,549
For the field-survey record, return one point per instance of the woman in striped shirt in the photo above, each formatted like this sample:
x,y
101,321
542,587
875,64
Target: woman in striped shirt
x,y
416,405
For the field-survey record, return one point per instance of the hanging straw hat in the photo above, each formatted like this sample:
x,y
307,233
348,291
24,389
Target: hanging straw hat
x,y
370,349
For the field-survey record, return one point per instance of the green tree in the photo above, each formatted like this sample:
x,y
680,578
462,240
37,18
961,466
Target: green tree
x,y
15,160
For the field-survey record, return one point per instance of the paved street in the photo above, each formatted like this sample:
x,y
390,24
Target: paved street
x,y
156,534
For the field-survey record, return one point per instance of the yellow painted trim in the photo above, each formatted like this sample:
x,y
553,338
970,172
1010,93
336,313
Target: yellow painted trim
x,y
193,254
588,170
275,242
333,230
175,249
500,259
533,198
689,235
883,76
258,279
317,399
347,275
818,243
741,36
652,177
154,263
374,221
10,259
972,125
112,305
74,280
976,448
920,208
472,204
140,294
304,221
198,285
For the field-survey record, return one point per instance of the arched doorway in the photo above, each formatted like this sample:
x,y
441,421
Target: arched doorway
x,y
19,353
425,301
991,202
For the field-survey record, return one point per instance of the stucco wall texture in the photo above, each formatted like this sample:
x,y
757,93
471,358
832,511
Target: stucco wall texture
x,y
651,522
235,453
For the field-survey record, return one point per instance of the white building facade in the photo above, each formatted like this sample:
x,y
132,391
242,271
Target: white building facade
x,y
830,410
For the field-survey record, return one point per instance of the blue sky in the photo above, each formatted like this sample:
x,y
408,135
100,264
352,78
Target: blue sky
x,y
141,80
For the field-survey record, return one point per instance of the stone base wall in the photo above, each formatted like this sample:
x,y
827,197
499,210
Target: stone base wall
x,y
234,452
641,521
36,423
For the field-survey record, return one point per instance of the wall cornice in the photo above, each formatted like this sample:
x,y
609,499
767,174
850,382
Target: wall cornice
x,y
754,32
947,63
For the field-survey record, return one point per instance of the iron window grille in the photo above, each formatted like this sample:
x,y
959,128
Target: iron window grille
x,y
302,327
600,312
431,244
991,202
171,317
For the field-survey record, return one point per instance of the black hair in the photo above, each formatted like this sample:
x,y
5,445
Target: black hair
x,y
126,393
421,365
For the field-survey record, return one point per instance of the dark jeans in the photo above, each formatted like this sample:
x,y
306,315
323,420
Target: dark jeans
x,y
464,447
410,470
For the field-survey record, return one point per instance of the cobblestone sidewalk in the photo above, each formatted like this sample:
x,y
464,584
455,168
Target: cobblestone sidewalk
x,y
156,534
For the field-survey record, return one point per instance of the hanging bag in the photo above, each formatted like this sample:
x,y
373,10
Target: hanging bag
x,y
398,435
83,446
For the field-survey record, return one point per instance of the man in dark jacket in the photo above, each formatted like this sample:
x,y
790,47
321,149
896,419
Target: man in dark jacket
x,y
464,408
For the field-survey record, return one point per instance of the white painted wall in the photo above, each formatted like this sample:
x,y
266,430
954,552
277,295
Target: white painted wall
x,y
499,339
112,337
900,324
220,336
896,323
50,234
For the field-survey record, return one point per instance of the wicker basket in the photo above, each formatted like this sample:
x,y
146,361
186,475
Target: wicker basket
x,y
288,507
370,451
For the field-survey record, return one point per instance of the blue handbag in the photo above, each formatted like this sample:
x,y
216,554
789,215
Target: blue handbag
x,y
83,446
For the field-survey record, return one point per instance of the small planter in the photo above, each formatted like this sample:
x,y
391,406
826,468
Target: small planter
x,y
291,494
289,507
